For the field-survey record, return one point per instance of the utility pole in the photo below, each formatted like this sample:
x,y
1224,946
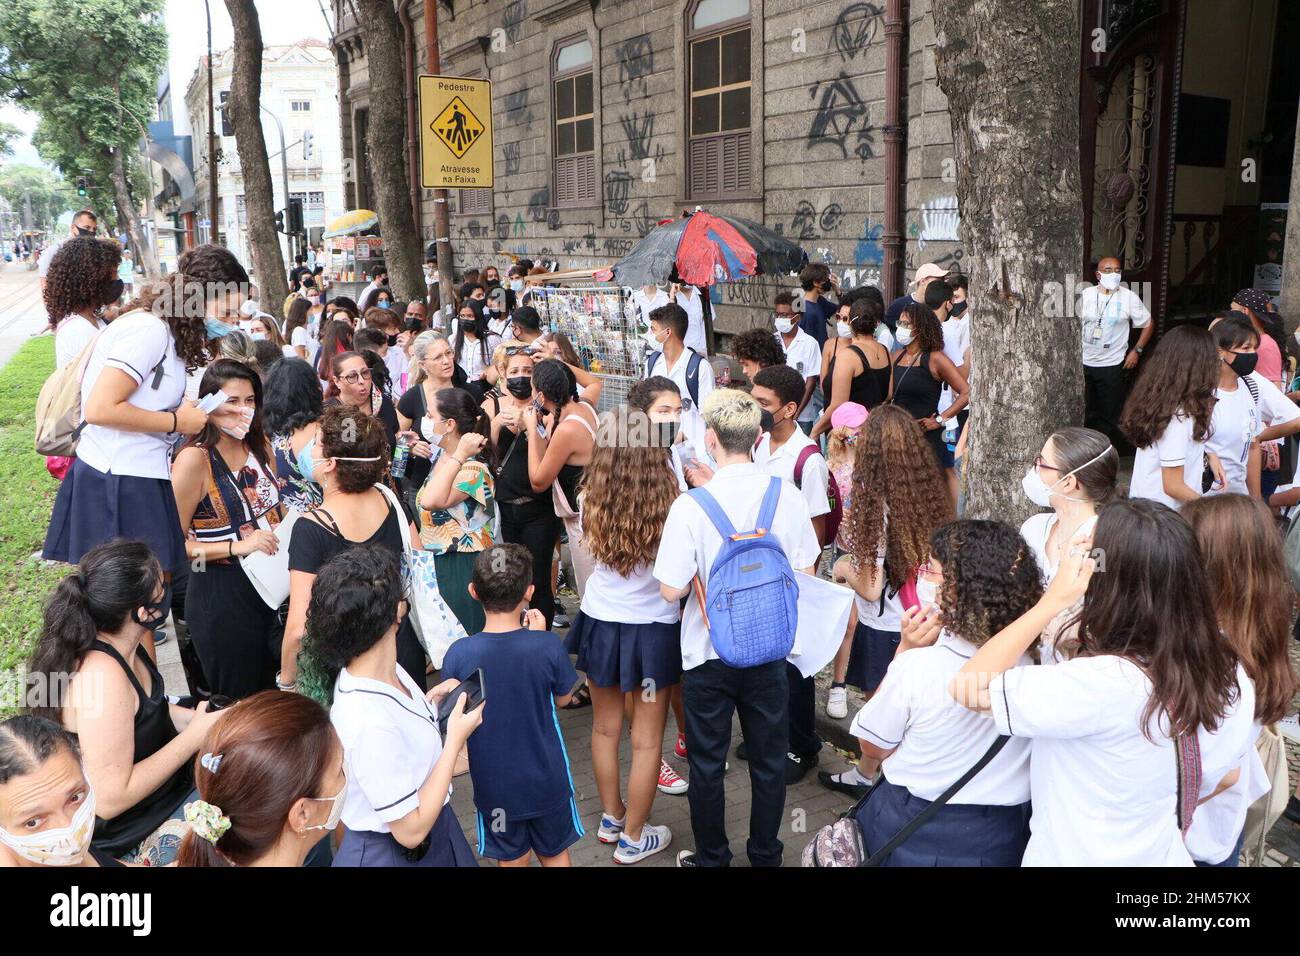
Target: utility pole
x,y
441,220
284,171
212,139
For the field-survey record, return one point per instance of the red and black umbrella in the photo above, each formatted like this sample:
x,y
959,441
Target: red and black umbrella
x,y
704,249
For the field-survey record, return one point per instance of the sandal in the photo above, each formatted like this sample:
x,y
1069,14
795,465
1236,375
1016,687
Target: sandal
x,y
581,698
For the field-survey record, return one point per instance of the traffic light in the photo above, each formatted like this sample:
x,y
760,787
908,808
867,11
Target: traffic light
x,y
295,216
279,220
308,147
81,186
226,128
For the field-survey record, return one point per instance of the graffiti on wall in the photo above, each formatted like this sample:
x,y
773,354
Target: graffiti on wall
x,y
855,29
809,222
939,221
842,118
636,61
510,152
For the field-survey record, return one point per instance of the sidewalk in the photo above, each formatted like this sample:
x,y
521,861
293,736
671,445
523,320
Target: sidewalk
x,y
22,310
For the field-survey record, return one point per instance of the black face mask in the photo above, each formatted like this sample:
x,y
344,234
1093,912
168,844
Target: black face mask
x,y
957,309
160,610
766,421
520,386
668,433
392,340
113,291
85,233
1243,363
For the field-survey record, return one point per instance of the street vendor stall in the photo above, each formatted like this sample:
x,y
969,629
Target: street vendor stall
x,y
352,251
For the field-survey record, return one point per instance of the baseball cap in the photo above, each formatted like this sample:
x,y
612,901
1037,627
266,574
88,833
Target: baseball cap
x,y
849,415
929,271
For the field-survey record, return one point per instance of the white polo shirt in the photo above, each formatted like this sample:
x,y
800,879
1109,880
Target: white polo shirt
x,y
804,355
645,304
141,345
1103,794
1106,320
781,464
71,336
693,304
1173,448
935,739
1236,422
692,421
390,745
956,340
635,599
690,542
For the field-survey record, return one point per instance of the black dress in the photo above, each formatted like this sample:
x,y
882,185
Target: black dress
x,y
916,391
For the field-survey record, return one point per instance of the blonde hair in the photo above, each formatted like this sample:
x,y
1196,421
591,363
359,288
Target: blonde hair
x,y
499,353
734,417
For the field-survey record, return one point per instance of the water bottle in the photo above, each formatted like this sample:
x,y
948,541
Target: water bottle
x,y
950,434
400,455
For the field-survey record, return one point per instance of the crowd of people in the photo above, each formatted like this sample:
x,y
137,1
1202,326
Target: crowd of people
x,y
366,520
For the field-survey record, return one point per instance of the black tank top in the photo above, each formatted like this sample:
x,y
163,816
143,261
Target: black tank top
x,y
916,390
512,482
869,388
153,731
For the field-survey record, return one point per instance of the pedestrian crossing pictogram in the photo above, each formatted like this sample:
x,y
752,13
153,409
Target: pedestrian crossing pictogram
x,y
457,127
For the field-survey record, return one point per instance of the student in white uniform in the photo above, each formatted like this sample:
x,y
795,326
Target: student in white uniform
x,y
398,805
980,577
646,299
1168,416
1108,725
803,354
81,279
1250,409
1248,579
667,355
691,299
713,692
1074,475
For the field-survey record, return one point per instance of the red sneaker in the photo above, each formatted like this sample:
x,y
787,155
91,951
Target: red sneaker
x,y
680,749
669,781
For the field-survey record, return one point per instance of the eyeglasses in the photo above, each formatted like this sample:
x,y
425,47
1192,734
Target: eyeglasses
x,y
1040,463
354,377
931,570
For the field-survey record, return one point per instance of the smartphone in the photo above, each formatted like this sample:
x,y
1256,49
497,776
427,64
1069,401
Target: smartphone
x,y
471,686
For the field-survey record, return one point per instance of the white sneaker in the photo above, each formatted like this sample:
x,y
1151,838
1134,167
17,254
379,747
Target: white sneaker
x,y
611,828
837,703
653,839
669,781
1289,727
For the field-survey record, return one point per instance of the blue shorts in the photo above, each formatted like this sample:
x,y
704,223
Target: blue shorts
x,y
548,835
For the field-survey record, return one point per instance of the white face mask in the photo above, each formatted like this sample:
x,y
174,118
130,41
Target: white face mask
x,y
517,285
651,341
257,336
903,336
844,330
784,325
1038,491
927,592
65,846
336,808
241,428
1110,280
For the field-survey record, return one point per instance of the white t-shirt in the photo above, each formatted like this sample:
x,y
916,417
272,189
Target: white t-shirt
x,y
1106,320
1035,531
956,340
634,599
71,337
885,337
47,256
781,464
1174,447
935,739
471,355
397,364
141,345
390,745
692,420
1103,794
1237,420
690,542
645,304
692,302
804,356
301,338
1217,823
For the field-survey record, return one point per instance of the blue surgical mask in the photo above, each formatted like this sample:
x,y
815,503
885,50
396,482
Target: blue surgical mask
x,y
217,329
306,463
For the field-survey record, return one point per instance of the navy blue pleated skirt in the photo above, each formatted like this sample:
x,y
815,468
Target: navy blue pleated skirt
x,y
870,656
958,835
447,847
626,655
94,507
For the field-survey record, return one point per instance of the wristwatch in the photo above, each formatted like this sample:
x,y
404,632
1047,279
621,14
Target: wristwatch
x,y
1137,349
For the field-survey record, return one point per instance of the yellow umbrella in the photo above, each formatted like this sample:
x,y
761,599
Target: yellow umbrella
x,y
351,223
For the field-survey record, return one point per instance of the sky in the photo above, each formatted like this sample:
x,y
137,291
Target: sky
x,y
283,21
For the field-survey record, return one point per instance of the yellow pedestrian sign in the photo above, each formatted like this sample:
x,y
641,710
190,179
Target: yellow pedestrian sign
x,y
455,132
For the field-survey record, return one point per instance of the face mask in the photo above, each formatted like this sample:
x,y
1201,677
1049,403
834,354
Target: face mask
x,y
306,463
1038,491
65,846
844,330
336,809
957,309
257,336
85,233
159,610
903,336
766,421
927,592
392,340
113,291
784,325
668,433
520,386
1243,363
217,329
1110,280
384,305
651,340
241,429
517,285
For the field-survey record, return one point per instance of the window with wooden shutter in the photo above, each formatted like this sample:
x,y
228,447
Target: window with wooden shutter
x,y
475,201
720,88
573,99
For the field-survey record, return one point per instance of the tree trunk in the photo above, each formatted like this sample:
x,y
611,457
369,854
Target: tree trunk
x,y
403,250
128,217
1010,72
244,109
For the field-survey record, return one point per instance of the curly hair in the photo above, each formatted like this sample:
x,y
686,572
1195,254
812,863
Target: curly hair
x,y
78,273
630,468
354,602
1180,379
990,577
347,432
928,333
899,497
201,274
758,345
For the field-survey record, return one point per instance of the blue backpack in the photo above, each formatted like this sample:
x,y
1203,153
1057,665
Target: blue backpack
x,y
750,604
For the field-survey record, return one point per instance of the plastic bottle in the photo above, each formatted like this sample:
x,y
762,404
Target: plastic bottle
x,y
400,455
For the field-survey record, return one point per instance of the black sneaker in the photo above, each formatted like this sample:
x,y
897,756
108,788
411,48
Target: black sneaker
x,y
832,781
1292,811
686,858
797,767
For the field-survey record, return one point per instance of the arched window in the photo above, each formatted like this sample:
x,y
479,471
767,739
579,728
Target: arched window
x,y
720,87
573,106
